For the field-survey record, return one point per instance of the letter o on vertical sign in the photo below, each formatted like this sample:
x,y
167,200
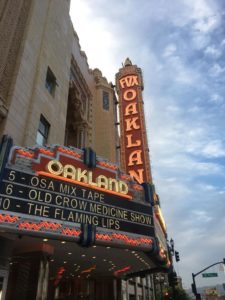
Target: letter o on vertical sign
x,y
130,94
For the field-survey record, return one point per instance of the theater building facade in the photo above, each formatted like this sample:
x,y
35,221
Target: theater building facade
x,y
79,215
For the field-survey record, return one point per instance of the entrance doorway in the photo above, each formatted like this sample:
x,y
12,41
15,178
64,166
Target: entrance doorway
x,y
52,269
1,286
3,283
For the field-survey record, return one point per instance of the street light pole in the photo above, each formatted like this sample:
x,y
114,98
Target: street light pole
x,y
194,288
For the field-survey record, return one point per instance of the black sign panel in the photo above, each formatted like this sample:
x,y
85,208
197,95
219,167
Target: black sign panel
x,y
44,197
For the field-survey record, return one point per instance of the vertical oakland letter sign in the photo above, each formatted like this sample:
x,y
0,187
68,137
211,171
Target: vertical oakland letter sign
x,y
134,147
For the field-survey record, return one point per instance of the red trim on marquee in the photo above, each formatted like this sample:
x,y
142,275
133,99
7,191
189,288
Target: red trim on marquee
x,y
8,218
126,239
39,226
71,232
107,165
69,152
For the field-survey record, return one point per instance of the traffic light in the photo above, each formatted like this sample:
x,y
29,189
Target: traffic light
x,y
173,280
193,287
177,256
166,295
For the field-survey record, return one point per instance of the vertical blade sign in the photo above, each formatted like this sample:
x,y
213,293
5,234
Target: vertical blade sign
x,y
134,147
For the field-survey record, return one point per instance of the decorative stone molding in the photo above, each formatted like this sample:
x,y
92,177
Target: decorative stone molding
x,y
100,80
12,23
3,110
79,113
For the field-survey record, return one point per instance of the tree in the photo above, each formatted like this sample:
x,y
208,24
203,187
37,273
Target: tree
x,y
180,294
176,294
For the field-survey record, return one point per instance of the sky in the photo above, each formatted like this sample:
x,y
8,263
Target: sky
x,y
180,46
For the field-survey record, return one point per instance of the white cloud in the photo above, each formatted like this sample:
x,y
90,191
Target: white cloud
x,y
205,146
170,50
178,70
207,24
218,240
100,43
215,98
200,40
183,12
194,109
216,70
222,192
200,9
188,167
201,216
213,52
214,149
208,187
173,109
192,235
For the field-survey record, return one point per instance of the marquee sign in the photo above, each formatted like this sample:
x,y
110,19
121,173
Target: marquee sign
x,y
53,190
43,197
134,148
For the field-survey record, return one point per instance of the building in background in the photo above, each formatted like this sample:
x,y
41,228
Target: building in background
x,y
211,294
50,96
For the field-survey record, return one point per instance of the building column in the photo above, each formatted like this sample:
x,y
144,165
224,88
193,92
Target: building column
x,y
136,289
143,288
42,289
153,287
28,276
5,254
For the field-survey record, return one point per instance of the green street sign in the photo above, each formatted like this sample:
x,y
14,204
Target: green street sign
x,y
210,275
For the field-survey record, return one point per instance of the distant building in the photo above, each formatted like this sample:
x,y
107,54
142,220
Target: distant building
x,y
211,294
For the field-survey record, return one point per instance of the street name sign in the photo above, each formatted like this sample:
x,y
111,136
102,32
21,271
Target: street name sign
x,y
205,275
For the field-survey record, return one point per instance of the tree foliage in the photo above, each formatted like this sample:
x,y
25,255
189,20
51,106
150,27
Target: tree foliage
x,y
176,294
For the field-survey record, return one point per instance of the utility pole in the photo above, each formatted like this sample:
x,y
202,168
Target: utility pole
x,y
194,288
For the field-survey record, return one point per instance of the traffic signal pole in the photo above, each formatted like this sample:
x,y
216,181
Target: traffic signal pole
x,y
194,288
